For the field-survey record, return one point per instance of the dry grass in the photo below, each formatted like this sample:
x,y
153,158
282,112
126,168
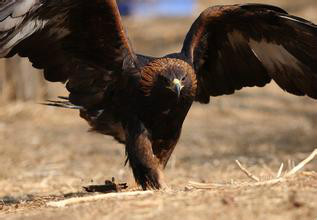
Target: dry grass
x,y
46,155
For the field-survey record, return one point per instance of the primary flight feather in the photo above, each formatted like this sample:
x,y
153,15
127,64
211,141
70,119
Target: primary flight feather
x,y
142,101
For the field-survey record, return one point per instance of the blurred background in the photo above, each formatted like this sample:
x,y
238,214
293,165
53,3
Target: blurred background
x,y
46,150
155,27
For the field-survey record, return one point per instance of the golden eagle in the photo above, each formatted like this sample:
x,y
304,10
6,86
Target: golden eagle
x,y
142,101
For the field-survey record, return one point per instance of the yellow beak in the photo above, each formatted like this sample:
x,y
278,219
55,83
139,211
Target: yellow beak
x,y
177,86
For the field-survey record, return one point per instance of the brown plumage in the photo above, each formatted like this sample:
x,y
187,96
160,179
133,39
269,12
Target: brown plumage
x,y
142,101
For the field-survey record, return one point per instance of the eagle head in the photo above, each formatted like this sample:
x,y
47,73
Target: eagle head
x,y
168,78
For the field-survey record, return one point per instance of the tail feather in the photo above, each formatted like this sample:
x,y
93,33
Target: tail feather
x,y
63,97
100,120
62,104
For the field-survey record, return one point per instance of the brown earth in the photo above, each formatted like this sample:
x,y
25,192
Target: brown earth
x,y
46,153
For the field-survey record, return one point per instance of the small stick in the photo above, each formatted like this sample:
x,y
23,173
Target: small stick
x,y
279,173
268,182
302,164
215,185
72,201
197,185
255,178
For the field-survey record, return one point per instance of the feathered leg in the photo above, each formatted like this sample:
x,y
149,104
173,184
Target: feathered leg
x,y
164,153
145,165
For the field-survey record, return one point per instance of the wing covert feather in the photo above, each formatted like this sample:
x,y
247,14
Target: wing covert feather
x,y
238,46
79,42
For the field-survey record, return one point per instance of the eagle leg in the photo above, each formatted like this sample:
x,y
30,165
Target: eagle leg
x,y
163,151
145,165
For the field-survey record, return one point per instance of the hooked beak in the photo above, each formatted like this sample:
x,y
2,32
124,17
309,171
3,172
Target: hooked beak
x,y
177,86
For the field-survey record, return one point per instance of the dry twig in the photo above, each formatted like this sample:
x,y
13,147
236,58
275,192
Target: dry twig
x,y
279,178
198,185
301,164
279,173
248,173
109,186
98,197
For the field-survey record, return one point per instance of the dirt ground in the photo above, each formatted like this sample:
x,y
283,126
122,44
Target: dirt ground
x,y
47,155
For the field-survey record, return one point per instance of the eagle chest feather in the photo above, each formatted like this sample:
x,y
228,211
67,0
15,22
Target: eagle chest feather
x,y
163,112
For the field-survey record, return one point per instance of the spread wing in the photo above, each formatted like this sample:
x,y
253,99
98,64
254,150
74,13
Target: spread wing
x,y
80,42
238,46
